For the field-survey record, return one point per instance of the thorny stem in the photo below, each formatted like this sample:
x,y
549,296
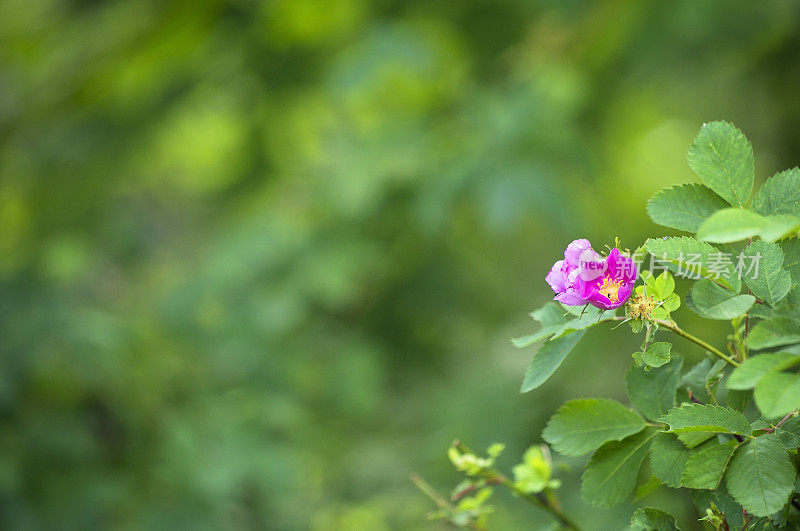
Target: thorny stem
x,y
542,503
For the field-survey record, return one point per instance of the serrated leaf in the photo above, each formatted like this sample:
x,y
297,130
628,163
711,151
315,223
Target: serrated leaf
x,y
704,469
712,301
774,333
736,224
693,259
767,281
653,392
706,418
583,425
723,159
777,394
684,207
695,381
668,458
548,359
650,519
788,433
610,476
747,375
664,285
760,476
791,260
780,194
657,353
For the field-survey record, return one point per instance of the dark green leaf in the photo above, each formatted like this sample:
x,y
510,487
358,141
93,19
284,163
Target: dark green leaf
x,y
723,159
653,391
649,519
712,301
684,207
767,281
706,418
774,333
704,469
548,359
761,476
779,195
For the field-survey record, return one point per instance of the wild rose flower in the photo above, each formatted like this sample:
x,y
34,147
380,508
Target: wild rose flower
x,y
584,277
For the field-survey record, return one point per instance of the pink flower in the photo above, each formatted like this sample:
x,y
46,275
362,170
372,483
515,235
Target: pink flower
x,y
584,277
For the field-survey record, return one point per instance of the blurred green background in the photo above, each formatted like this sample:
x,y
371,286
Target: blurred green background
x,y
261,260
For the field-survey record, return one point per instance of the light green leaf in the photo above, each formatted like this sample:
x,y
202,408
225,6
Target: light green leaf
x,y
653,392
777,394
668,458
779,195
548,359
664,285
712,301
765,277
761,476
649,519
706,418
735,224
747,375
791,261
774,333
657,354
694,259
704,469
684,207
723,159
583,425
611,474
582,322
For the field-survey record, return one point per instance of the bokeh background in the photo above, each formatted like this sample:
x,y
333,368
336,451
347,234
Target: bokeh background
x,y
261,260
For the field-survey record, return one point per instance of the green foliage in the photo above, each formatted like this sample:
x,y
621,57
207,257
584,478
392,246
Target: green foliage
x,y
774,332
661,290
668,458
610,476
770,283
534,473
735,224
581,426
692,258
705,468
656,354
791,262
552,318
761,476
777,394
650,519
706,418
712,301
548,359
723,159
684,207
780,194
748,374
653,392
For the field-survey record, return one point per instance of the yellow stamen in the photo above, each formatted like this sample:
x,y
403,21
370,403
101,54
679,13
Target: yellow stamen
x,y
610,288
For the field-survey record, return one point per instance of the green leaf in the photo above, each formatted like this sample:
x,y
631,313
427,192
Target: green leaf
x,y
649,519
611,474
706,418
761,476
712,301
779,195
552,318
668,458
735,224
657,354
723,159
653,392
774,333
695,259
747,375
583,425
765,278
704,469
777,394
684,207
791,261
788,433
548,359
582,322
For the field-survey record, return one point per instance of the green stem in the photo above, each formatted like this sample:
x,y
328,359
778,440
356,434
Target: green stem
x,y
718,353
